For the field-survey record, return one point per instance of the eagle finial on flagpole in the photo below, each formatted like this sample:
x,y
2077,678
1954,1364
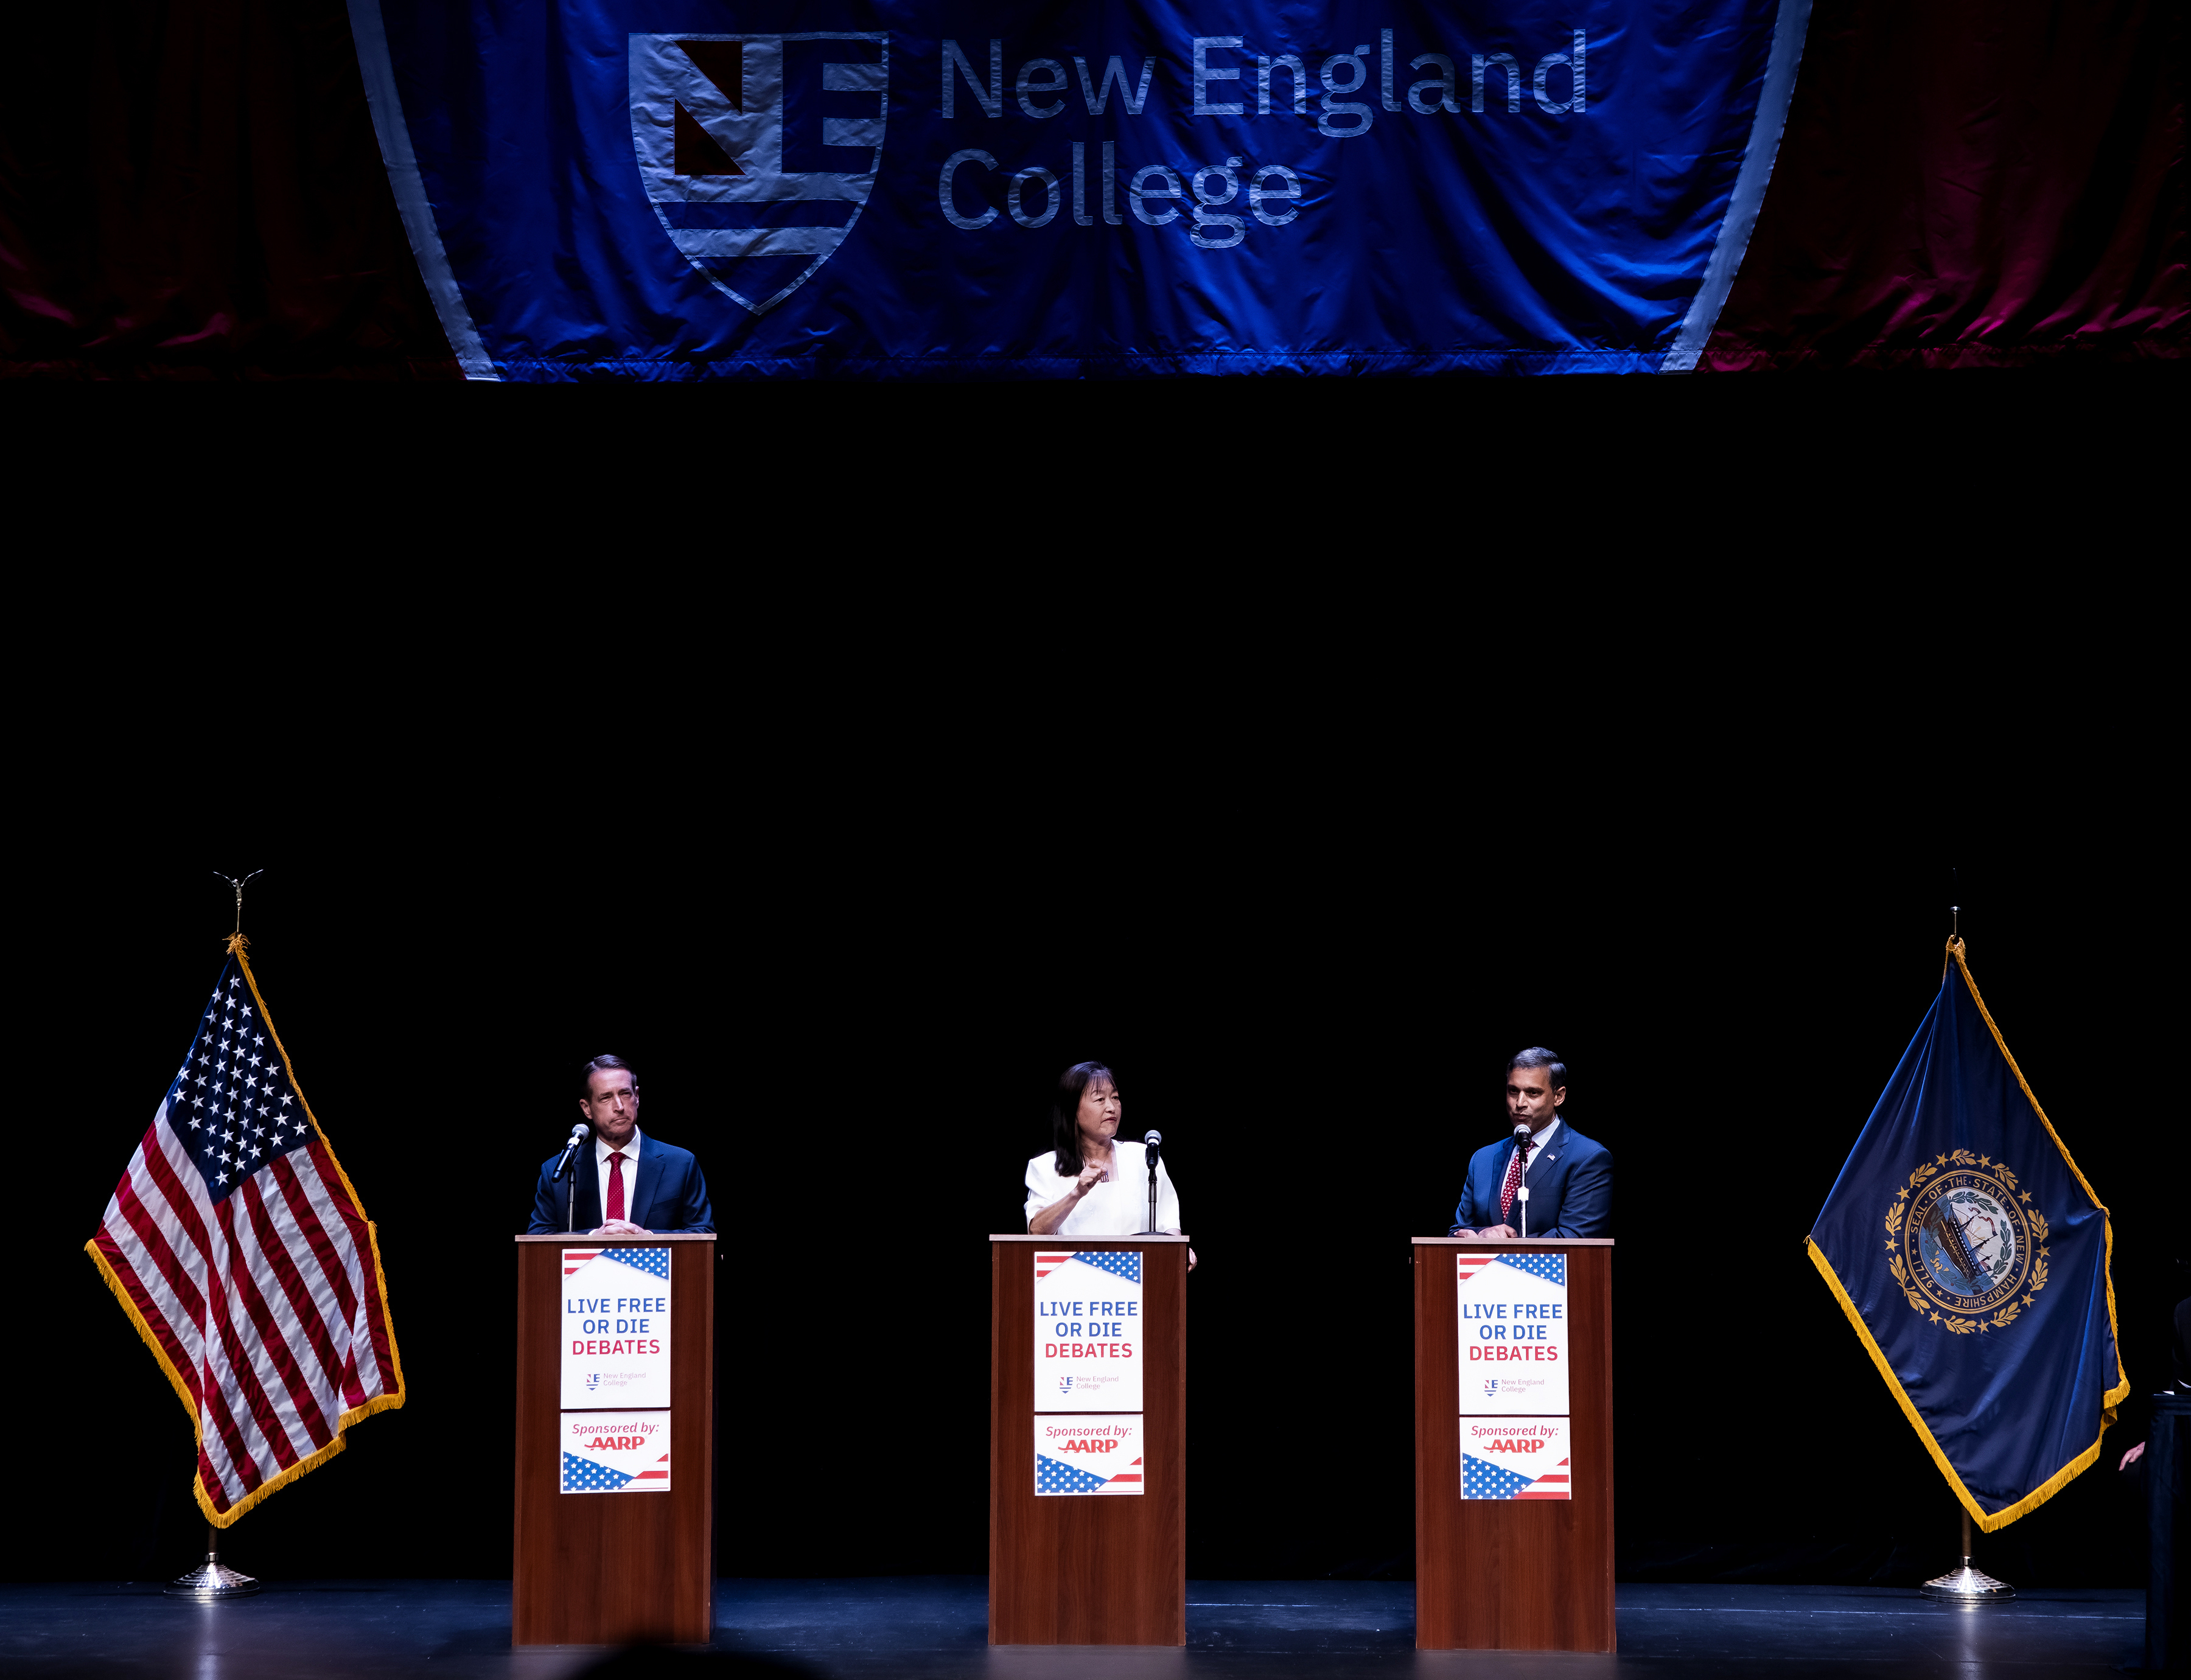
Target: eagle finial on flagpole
x,y
237,943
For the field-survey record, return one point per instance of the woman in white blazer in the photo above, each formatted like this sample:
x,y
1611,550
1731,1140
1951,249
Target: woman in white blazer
x,y
1091,1183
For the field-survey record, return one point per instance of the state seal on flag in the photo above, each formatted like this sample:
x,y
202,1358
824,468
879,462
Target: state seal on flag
x,y
1964,1242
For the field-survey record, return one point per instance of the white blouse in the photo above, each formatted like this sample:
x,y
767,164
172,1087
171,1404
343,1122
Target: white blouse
x,y
1119,1207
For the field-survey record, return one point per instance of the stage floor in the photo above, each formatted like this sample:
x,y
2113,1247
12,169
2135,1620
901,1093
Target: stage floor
x,y
934,1628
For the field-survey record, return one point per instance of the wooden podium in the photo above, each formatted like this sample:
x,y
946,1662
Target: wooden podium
x,y
1513,1573
1087,1570
614,1569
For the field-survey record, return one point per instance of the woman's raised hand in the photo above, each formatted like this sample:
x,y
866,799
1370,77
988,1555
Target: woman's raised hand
x,y
1090,1175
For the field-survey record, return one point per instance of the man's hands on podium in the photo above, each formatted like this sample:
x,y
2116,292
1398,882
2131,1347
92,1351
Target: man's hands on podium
x,y
620,1227
1489,1233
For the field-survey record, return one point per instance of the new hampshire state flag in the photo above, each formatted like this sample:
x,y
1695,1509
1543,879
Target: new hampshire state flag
x,y
1972,1256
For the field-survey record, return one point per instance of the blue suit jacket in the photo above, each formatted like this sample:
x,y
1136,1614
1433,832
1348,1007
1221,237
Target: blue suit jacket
x,y
1570,1188
668,1192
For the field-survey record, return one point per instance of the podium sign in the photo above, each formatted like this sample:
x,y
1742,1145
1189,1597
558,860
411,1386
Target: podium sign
x,y
604,1452
1513,1325
1513,1333
1091,1453
1088,1354
615,1328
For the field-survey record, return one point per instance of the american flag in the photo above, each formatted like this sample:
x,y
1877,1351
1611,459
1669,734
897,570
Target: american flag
x,y
238,1247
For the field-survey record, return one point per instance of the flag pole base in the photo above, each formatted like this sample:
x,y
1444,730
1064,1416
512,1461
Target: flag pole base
x,y
213,1580
1968,1586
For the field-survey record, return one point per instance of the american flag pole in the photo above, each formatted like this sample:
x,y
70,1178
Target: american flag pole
x,y
212,1578
241,1253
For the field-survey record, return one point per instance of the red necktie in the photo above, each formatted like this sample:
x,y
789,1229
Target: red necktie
x,y
615,1185
1513,1183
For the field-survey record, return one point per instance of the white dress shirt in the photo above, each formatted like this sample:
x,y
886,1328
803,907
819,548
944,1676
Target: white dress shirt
x,y
630,1153
1119,1207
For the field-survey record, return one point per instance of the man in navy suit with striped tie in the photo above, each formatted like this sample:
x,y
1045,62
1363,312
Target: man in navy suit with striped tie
x,y
1568,1177
628,1184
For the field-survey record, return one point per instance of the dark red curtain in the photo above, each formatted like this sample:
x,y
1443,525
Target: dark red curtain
x,y
1972,183
191,189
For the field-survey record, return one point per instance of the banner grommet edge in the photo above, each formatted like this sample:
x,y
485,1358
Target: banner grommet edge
x,y
1791,25
376,68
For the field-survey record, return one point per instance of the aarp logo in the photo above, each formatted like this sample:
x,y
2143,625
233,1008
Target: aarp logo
x,y
759,151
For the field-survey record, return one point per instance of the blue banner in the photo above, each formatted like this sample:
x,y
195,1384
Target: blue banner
x,y
678,189
1972,1256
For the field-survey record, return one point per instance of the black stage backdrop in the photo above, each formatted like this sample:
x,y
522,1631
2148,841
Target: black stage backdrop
x,y
857,1035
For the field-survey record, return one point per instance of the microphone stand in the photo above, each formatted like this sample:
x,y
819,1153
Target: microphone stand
x,y
568,1166
1521,1190
1152,1192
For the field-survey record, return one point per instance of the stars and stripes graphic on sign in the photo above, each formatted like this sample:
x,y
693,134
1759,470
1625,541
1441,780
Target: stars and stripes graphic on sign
x,y
652,1261
1044,1264
1480,1478
1053,1475
1132,1472
585,1475
1552,1484
239,1248
1121,1265
588,1475
1551,1268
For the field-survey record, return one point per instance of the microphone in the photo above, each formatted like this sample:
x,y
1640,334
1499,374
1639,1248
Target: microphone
x,y
571,1149
1153,1142
1521,1190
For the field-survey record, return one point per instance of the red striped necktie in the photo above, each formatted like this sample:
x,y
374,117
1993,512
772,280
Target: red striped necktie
x,y
615,1185
1513,1183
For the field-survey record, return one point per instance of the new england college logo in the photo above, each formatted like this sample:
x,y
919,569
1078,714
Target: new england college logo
x,y
1490,1387
1064,1385
759,151
593,1381
1965,1246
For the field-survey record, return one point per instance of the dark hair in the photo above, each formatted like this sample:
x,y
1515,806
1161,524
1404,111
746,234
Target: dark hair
x,y
1556,1071
1065,1112
602,1064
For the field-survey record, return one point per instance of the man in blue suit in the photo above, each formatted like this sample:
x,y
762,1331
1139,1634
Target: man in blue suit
x,y
641,1185
1568,1177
